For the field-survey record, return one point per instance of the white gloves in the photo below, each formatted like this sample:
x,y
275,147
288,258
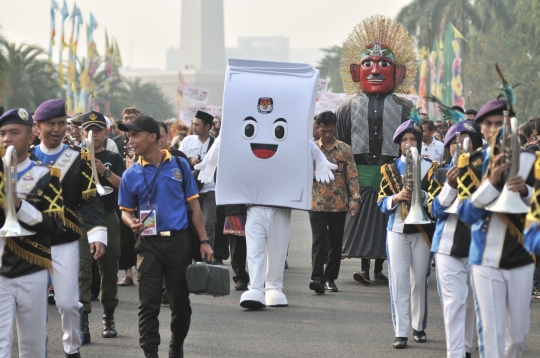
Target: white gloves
x,y
323,168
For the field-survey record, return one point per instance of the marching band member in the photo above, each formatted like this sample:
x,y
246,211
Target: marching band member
x,y
451,243
26,259
502,269
79,192
408,246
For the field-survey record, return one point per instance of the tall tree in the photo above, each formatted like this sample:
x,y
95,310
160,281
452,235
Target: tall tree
x,y
329,67
30,77
148,98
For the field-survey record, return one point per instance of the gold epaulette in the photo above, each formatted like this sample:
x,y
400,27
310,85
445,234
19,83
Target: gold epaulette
x,y
533,216
463,160
54,171
85,154
537,167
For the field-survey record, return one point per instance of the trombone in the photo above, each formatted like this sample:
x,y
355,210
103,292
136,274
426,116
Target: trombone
x,y
102,190
11,227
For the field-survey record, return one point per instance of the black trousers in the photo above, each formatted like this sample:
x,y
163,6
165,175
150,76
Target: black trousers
x,y
221,242
128,258
378,265
238,258
326,225
159,257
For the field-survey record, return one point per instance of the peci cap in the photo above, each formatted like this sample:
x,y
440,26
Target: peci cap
x,y
494,106
17,116
141,123
205,117
53,108
94,118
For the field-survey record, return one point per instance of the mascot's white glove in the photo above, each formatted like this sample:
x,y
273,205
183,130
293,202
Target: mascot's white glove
x,y
323,168
209,164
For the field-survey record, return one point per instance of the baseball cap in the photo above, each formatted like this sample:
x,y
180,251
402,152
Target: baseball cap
x,y
141,123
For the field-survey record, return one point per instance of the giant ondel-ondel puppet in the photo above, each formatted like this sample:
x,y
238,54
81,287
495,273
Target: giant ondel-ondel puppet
x,y
378,61
265,155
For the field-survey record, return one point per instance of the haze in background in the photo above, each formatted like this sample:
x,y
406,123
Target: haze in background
x,y
145,29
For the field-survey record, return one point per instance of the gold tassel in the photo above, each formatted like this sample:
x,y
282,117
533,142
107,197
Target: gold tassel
x,y
55,213
434,166
87,194
70,224
424,234
514,231
28,256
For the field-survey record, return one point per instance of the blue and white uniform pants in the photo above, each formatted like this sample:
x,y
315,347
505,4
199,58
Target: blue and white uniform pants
x,y
408,267
457,300
503,304
25,299
65,260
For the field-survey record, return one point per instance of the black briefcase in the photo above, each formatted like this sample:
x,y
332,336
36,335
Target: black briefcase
x,y
204,279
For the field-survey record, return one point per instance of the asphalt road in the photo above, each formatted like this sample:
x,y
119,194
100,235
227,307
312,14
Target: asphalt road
x,y
354,322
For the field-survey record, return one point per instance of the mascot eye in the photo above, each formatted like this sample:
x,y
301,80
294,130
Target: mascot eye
x,y
249,129
367,64
385,64
280,130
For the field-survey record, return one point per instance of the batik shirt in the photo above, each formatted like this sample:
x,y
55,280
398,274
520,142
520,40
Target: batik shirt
x,y
333,196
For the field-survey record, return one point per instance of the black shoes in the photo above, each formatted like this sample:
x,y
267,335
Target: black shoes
x,y
176,348
150,350
330,286
467,355
85,330
419,336
317,285
73,355
241,286
400,342
109,329
50,298
380,277
217,262
362,277
286,265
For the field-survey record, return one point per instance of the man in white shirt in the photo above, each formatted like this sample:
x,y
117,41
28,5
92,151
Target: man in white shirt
x,y
432,149
195,148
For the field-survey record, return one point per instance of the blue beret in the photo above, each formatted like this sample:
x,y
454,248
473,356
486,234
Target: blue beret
x,y
406,127
53,108
17,116
494,106
459,127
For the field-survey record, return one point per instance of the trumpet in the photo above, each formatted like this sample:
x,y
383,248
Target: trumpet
x,y
102,190
510,202
11,227
413,182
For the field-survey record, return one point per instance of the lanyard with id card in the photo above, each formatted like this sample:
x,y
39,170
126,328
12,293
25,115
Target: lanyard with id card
x,y
148,213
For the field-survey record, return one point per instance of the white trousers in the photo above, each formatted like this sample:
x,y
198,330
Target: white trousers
x,y
408,268
24,299
457,300
65,259
503,304
268,232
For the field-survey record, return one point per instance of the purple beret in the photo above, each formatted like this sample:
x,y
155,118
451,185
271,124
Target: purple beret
x,y
53,108
17,116
406,127
459,127
491,107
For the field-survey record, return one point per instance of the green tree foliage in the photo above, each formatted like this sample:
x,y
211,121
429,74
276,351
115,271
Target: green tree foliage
x,y
515,48
148,98
27,76
329,67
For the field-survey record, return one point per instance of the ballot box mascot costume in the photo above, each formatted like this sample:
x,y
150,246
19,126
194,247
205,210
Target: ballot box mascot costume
x,y
378,59
265,157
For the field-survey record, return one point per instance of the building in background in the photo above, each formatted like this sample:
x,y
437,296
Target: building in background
x,y
172,59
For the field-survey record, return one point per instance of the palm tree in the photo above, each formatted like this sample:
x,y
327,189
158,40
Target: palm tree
x,y
425,19
4,87
29,75
148,98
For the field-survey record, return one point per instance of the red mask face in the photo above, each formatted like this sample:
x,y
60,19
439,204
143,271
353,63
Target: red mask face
x,y
377,74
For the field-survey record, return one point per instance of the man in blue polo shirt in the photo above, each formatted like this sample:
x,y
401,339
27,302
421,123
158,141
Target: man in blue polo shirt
x,y
158,187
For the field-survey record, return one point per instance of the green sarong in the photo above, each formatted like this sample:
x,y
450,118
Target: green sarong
x,y
369,176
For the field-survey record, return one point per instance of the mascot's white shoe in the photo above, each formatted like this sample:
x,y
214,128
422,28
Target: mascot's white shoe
x,y
253,299
276,298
